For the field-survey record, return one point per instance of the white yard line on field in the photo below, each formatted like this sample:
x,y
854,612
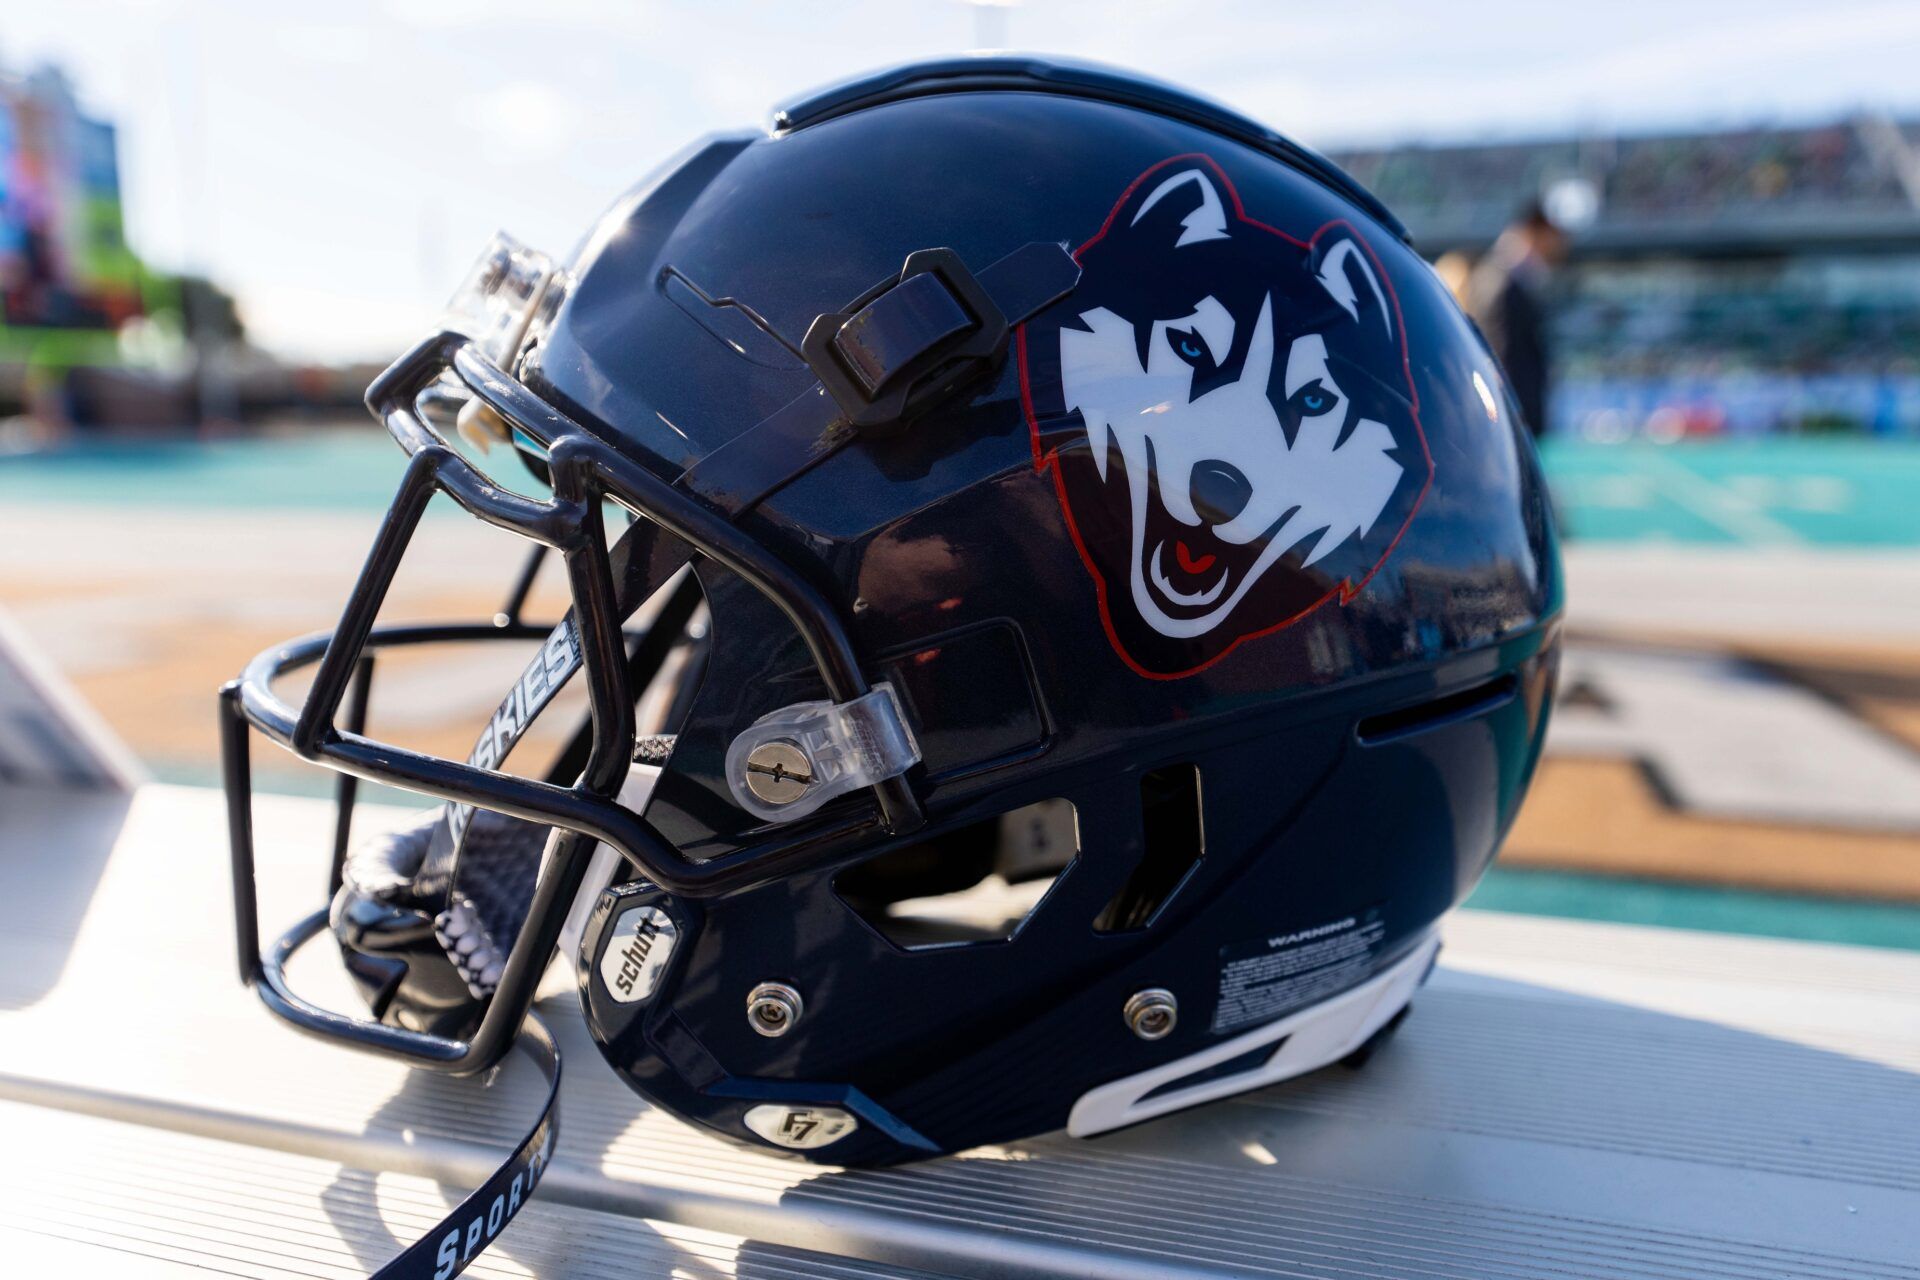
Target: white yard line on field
x,y
1732,511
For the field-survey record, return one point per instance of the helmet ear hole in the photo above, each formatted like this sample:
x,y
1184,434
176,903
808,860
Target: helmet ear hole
x,y
977,883
951,862
1173,838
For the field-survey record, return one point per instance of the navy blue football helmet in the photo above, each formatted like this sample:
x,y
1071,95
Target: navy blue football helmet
x,y
1065,602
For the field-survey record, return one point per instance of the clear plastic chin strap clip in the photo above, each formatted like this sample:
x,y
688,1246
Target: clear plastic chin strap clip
x,y
790,762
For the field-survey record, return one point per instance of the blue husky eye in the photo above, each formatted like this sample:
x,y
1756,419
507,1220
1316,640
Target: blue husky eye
x,y
1190,346
1312,400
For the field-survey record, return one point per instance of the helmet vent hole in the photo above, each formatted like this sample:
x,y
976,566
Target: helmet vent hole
x,y
1407,721
976,884
1173,838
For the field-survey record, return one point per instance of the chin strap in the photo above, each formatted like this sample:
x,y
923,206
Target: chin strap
x,y
476,1222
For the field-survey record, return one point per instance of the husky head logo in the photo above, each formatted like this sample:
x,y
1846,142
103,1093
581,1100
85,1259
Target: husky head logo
x,y
1229,416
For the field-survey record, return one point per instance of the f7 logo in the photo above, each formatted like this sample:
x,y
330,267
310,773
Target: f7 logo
x,y
800,1128
798,1125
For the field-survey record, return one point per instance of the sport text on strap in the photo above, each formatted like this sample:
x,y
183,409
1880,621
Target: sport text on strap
x,y
476,1222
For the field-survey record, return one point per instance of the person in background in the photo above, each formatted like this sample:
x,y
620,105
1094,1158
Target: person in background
x,y
1507,297
1455,270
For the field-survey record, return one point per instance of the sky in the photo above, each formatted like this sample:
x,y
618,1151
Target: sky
x,y
337,165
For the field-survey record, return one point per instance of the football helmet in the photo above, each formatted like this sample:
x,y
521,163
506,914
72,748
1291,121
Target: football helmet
x,y
1065,604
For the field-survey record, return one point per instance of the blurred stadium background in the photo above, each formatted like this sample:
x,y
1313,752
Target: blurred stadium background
x,y
1733,434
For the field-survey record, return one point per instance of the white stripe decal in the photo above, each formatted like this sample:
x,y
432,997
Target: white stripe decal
x,y
1306,1040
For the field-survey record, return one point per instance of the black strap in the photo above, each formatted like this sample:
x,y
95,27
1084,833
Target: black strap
x,y
476,1222
892,337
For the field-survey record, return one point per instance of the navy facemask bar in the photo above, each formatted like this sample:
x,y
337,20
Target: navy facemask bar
x,y
891,364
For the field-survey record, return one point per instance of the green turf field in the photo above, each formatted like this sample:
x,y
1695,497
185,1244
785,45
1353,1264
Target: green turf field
x,y
1765,493
1805,917
347,468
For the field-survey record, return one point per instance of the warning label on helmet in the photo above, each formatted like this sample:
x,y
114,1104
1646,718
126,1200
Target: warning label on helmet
x,y
1270,977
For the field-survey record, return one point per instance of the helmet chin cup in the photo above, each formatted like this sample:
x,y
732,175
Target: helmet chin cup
x,y
402,972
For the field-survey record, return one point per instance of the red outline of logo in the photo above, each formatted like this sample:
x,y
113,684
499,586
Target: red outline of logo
x,y
1345,589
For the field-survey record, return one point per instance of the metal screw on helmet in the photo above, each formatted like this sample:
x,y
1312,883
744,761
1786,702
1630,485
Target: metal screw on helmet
x,y
1151,1014
779,772
773,1008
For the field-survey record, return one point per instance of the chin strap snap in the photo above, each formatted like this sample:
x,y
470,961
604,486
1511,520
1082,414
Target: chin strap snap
x,y
790,762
